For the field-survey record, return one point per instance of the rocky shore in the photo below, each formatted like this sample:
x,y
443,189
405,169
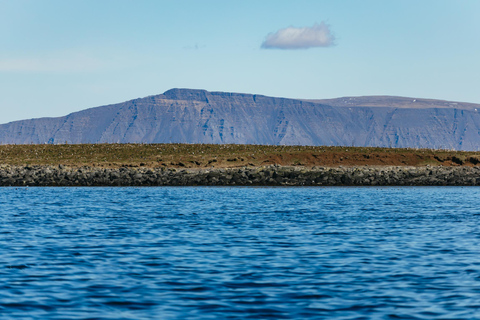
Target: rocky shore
x,y
246,176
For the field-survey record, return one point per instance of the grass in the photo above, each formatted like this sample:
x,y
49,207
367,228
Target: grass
x,y
208,155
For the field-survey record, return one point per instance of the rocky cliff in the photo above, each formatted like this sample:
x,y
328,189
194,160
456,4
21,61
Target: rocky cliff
x,y
198,116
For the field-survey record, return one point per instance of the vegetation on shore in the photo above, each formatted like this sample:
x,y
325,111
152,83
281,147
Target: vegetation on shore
x,y
225,156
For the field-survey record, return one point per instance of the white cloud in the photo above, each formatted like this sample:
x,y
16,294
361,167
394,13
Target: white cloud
x,y
319,35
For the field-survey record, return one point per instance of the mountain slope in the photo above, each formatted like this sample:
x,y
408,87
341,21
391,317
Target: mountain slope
x,y
198,116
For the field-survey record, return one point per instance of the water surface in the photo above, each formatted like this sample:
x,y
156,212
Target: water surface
x,y
240,253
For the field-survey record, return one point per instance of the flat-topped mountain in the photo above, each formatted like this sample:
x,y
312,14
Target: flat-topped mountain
x,y
396,102
199,116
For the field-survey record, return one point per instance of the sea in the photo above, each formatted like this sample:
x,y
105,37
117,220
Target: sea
x,y
240,253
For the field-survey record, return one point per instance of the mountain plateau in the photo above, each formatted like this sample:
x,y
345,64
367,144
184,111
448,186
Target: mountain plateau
x,y
199,116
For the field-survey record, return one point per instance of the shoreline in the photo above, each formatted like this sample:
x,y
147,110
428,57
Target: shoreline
x,y
271,175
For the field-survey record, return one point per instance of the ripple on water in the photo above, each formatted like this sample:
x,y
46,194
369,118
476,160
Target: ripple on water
x,y
225,253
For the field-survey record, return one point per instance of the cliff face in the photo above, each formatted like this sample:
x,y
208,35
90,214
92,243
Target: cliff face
x,y
197,116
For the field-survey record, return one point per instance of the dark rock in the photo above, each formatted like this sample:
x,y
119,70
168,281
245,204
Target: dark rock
x,y
284,176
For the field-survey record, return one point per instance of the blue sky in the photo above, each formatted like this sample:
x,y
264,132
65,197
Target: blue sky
x,y
61,56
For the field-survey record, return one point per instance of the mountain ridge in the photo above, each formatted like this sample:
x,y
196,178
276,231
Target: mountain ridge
x,y
199,116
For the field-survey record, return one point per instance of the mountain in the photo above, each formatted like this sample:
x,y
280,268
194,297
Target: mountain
x,y
199,116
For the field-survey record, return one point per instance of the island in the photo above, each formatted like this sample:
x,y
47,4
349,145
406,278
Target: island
x,y
233,165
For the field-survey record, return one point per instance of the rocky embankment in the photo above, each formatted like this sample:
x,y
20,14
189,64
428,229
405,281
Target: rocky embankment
x,y
255,176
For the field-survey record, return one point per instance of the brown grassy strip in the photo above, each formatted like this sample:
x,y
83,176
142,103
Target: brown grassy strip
x,y
225,156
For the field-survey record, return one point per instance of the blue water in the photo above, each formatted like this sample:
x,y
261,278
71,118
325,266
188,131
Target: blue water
x,y
240,253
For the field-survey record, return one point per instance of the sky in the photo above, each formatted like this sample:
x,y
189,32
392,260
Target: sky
x,y
58,56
